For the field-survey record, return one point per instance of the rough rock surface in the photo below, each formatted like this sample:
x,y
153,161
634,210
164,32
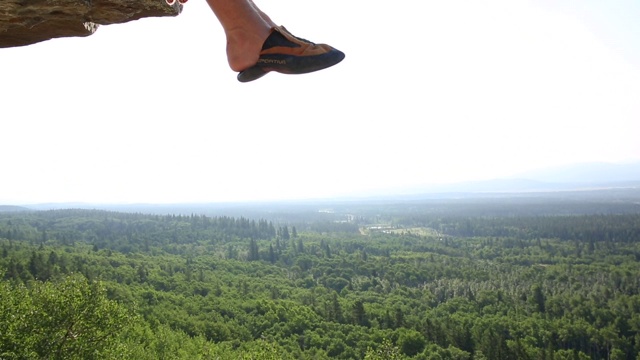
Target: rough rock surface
x,y
24,22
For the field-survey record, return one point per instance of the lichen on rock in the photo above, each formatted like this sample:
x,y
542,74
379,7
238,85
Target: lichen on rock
x,y
24,22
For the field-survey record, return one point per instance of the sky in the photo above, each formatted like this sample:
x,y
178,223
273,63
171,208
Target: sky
x,y
430,92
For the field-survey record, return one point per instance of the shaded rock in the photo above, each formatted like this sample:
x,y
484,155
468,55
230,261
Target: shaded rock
x,y
24,22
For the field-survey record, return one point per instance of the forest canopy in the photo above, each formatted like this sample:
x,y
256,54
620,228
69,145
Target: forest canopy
x,y
381,281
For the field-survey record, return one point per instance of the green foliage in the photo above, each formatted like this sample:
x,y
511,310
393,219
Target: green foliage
x,y
386,351
411,342
70,319
92,284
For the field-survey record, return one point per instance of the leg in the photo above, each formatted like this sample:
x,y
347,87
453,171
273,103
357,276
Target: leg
x,y
246,29
256,46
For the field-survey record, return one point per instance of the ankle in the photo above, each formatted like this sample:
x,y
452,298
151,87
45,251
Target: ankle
x,y
243,48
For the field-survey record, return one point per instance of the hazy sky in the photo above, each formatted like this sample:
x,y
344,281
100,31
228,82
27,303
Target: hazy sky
x,y
430,92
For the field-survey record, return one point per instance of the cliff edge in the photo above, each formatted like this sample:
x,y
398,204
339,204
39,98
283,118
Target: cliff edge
x,y
24,22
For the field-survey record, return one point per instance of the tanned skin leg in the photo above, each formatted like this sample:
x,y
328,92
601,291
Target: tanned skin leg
x,y
246,28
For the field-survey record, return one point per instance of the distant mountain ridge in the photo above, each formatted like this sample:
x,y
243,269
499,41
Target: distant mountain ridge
x,y
575,177
13,208
618,180
594,173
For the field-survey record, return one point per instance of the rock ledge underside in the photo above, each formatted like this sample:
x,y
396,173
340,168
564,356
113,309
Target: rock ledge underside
x,y
24,22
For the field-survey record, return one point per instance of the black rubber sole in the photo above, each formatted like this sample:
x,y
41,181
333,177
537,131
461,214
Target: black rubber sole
x,y
289,64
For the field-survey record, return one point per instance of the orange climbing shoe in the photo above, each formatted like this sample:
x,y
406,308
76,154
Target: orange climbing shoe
x,y
287,54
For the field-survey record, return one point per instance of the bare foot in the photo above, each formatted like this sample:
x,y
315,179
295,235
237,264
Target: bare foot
x,y
243,48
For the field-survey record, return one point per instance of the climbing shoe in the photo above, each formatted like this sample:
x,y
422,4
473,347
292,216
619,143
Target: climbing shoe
x,y
287,54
